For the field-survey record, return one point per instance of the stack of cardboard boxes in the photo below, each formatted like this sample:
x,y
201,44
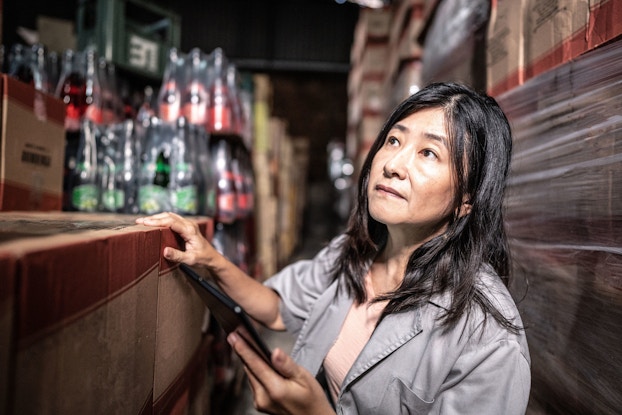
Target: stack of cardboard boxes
x,y
94,320
385,66
280,164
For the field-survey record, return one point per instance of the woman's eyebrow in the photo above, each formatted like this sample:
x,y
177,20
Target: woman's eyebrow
x,y
401,127
435,137
430,136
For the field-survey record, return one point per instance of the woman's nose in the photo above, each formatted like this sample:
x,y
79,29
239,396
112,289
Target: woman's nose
x,y
396,165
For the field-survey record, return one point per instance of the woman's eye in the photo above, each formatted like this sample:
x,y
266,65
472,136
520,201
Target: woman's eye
x,y
429,154
392,141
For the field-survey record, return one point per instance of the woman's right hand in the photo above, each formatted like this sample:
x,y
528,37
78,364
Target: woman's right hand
x,y
197,248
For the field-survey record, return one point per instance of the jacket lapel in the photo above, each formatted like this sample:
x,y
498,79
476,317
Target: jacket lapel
x,y
321,329
393,331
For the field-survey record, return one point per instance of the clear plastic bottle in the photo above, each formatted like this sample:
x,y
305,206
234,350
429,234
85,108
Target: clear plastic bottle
x,y
239,184
109,96
169,97
207,185
107,142
237,112
184,176
155,171
143,118
38,56
220,115
93,93
120,187
226,203
72,89
52,68
19,63
195,98
84,182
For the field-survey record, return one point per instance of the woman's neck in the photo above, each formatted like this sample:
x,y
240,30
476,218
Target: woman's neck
x,y
389,267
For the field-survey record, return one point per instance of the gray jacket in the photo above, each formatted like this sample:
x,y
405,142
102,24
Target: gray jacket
x,y
410,365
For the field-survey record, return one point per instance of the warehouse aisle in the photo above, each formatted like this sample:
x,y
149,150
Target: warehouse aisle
x,y
321,224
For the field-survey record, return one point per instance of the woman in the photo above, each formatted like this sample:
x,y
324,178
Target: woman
x,y
407,311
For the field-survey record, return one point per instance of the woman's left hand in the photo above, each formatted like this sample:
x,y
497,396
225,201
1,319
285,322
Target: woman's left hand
x,y
290,389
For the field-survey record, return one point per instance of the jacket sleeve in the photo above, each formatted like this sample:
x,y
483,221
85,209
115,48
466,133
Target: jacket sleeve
x,y
493,379
301,283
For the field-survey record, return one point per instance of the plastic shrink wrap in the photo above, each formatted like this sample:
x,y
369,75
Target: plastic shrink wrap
x,y
564,217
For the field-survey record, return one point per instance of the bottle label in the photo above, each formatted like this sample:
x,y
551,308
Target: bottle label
x,y
153,199
242,203
210,202
72,118
94,113
226,207
220,118
84,197
169,112
113,200
184,200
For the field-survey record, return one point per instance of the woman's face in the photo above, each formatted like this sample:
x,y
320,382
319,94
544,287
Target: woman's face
x,y
411,186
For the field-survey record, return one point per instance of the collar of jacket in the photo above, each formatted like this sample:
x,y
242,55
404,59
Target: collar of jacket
x,y
323,325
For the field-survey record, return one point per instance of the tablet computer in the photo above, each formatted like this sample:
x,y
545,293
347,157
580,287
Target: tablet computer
x,y
227,312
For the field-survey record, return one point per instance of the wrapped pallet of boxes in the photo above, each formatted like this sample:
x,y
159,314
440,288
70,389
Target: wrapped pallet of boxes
x,y
564,215
32,148
96,321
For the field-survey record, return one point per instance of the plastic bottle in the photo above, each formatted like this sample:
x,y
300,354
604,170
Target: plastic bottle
x,y
169,97
248,176
93,93
207,185
195,98
19,63
226,203
184,177
239,183
109,96
154,175
143,119
220,115
120,189
72,90
38,56
237,112
52,68
84,184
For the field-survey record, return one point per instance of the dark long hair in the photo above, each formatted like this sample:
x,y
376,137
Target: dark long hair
x,y
480,144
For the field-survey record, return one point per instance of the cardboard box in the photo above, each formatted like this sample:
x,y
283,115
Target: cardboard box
x,y
505,51
529,37
32,148
555,33
101,323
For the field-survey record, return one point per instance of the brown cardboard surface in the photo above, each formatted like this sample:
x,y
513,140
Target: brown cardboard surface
x,y
178,332
505,50
529,37
555,33
96,306
31,148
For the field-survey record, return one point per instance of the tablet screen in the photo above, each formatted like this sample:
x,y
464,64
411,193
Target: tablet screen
x,y
227,312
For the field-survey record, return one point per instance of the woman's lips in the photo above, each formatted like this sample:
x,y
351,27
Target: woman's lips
x,y
390,190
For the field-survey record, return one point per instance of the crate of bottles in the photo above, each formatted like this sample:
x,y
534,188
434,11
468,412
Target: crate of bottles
x,y
133,34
